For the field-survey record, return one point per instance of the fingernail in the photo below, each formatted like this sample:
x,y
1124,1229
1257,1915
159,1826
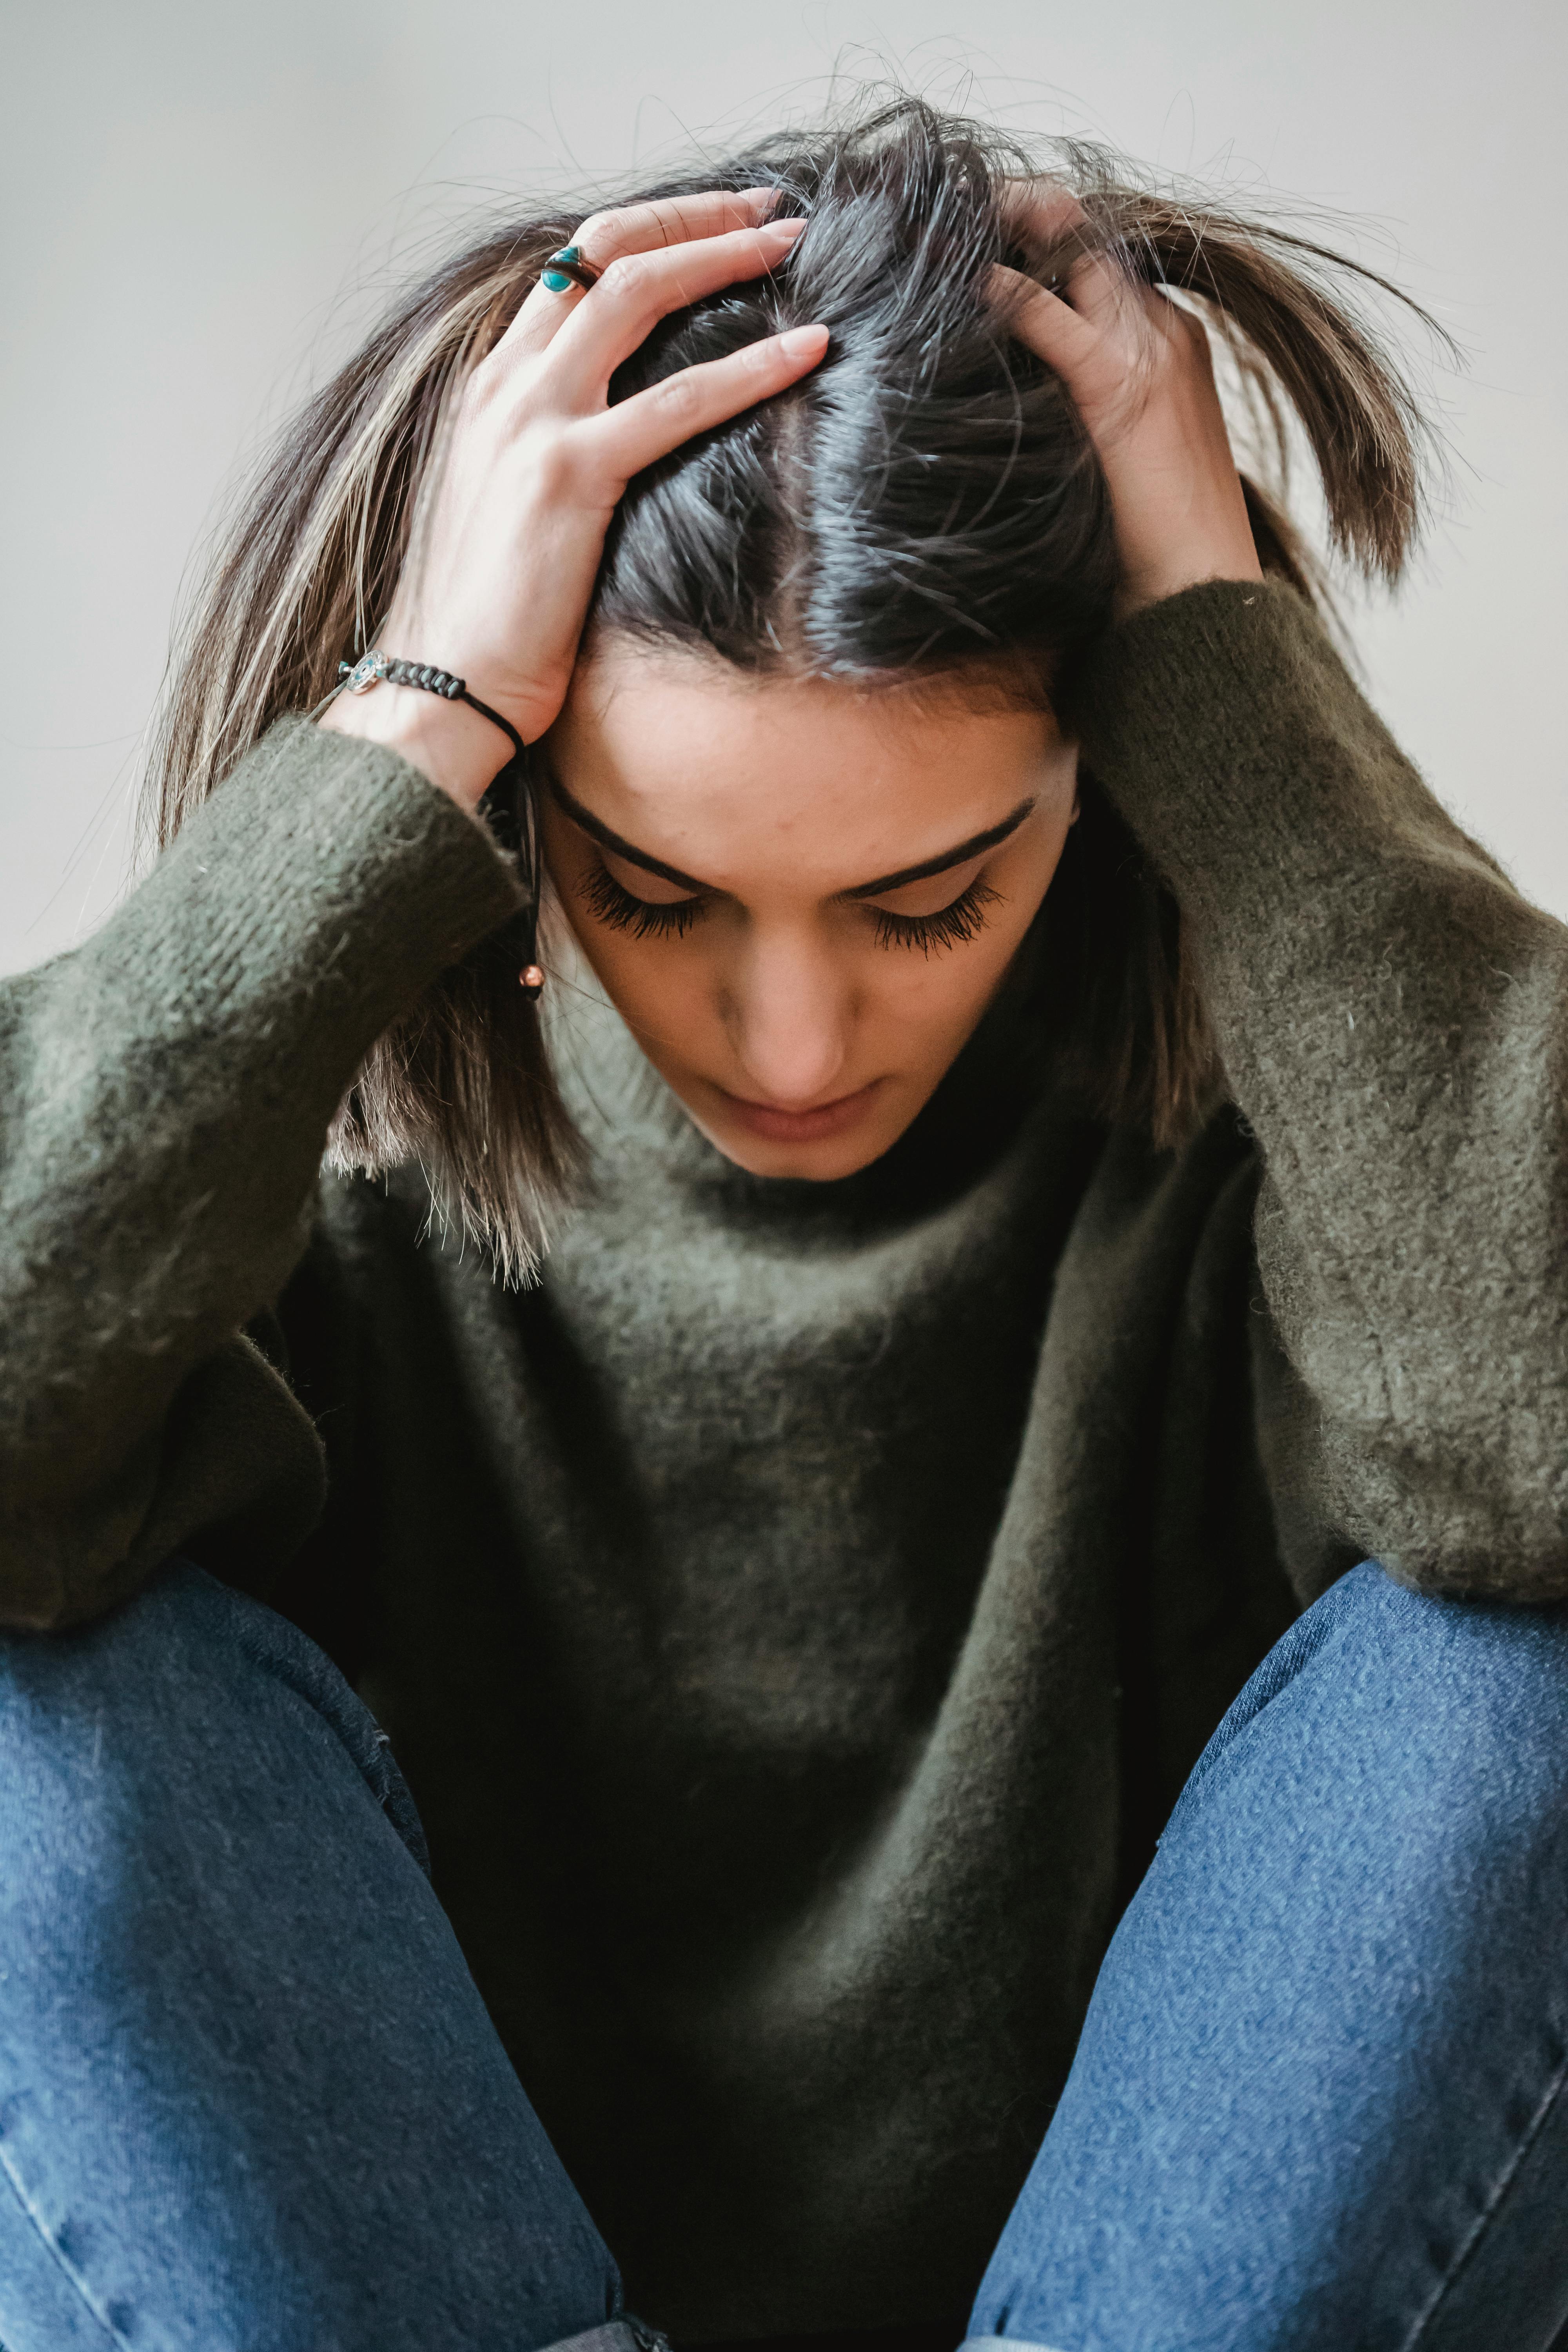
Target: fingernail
x,y
801,339
784,228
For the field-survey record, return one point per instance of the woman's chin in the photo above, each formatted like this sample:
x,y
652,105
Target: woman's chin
x,y
815,1146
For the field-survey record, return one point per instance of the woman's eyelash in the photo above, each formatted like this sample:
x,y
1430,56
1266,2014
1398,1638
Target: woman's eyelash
x,y
645,919
950,927
648,919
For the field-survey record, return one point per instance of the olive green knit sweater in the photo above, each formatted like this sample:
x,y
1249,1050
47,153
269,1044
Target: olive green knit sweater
x,y
796,1615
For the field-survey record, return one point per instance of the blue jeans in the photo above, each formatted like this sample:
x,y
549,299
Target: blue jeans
x,y
249,2097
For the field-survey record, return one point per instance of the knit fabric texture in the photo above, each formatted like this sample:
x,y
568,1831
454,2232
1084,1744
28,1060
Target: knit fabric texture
x,y
796,1615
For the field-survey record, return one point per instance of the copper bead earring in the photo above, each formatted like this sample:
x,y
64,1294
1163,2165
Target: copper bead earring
x,y
525,836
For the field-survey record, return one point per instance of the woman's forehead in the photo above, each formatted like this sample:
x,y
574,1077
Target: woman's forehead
x,y
726,775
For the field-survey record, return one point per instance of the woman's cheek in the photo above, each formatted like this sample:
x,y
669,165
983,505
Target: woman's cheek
x,y
659,986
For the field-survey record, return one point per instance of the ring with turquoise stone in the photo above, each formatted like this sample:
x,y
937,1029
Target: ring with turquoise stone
x,y
565,269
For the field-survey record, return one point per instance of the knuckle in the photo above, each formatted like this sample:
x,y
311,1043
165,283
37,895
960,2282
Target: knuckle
x,y
680,398
605,227
626,276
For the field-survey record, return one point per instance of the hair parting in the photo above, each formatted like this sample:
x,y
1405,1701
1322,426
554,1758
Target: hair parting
x,y
924,507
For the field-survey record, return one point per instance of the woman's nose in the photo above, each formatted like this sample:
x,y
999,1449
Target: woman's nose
x,y
790,1020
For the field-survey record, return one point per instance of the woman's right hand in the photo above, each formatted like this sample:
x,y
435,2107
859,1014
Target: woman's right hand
x,y
499,584
1141,378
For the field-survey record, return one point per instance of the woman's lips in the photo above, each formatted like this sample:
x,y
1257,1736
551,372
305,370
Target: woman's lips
x,y
813,1125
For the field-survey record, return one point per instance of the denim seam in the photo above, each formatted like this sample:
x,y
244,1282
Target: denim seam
x,y
1484,2220
67,2269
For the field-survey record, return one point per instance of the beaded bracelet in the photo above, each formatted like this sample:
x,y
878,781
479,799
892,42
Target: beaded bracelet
x,y
516,822
373,667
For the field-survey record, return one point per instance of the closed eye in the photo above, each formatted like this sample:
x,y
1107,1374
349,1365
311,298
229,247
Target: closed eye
x,y
645,919
950,927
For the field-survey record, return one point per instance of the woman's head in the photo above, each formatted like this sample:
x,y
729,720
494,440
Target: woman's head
x,y
831,641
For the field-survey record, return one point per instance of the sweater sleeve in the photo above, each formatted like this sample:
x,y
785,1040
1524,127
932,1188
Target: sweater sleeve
x,y
1394,1019
164,1094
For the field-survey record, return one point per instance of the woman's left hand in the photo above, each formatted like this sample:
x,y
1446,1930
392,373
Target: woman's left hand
x,y
1140,374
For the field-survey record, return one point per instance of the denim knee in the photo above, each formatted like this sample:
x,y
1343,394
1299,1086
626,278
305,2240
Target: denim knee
x,y
1319,2095
248,2091
147,1690
1473,1682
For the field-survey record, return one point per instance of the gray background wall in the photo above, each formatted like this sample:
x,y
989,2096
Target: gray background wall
x,y
198,203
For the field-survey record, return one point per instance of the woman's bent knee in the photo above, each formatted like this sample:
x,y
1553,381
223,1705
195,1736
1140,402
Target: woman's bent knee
x,y
250,2093
1419,1700
1317,2100
186,1688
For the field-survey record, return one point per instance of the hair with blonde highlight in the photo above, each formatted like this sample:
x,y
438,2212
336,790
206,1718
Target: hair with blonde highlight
x,y
925,503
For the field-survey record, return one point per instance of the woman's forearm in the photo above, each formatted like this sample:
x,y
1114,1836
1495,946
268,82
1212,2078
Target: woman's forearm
x,y
1393,1021
167,1088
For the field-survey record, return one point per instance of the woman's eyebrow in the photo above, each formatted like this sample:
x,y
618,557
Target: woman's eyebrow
x,y
608,839
929,868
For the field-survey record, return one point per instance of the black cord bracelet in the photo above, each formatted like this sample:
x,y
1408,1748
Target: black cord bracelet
x,y
512,816
373,667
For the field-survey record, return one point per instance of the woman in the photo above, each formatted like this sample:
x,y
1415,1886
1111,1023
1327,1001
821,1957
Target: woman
x,y
1100,1193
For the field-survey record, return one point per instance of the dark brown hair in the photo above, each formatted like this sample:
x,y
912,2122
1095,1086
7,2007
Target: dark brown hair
x,y
926,502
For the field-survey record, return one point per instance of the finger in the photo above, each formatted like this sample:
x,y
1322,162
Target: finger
x,y
671,220
1043,211
639,431
1096,291
637,228
1093,363
1067,340
638,290
1047,215
1098,322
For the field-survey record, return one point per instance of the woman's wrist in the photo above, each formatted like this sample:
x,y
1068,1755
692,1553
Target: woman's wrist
x,y
459,750
1188,567
1173,535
